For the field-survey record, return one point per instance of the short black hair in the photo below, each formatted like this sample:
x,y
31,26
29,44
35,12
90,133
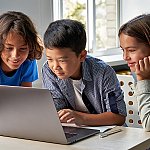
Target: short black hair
x,y
66,33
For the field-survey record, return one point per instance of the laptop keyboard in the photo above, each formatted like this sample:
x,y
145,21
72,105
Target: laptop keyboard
x,y
70,135
70,131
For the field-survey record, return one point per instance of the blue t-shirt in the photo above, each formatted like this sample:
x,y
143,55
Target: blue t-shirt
x,y
27,72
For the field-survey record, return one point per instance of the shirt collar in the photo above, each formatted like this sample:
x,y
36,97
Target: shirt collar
x,y
86,71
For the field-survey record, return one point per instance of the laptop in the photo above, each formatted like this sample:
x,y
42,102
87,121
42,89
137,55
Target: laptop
x,y
30,113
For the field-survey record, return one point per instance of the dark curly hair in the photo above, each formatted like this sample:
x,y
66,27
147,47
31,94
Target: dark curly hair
x,y
21,24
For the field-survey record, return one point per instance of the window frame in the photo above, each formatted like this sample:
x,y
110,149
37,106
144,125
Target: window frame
x,y
91,36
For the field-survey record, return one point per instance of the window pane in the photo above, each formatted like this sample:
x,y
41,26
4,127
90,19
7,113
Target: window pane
x,y
105,24
103,33
75,9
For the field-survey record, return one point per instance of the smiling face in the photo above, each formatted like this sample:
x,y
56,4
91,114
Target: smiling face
x,y
15,52
133,51
65,63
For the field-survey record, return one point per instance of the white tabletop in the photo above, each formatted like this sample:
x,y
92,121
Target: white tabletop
x,y
129,138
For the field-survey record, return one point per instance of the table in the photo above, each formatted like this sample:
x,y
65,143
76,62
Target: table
x,y
129,138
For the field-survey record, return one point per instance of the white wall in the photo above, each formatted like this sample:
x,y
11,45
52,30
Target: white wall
x,y
131,8
40,12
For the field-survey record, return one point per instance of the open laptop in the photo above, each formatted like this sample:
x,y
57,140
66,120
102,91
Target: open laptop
x,y
30,113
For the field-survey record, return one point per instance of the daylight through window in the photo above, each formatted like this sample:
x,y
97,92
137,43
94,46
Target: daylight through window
x,y
99,18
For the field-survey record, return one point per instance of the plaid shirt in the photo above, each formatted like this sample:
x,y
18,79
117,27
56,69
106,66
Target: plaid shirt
x,y
102,87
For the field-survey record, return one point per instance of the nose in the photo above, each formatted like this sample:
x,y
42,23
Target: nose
x,y
126,56
15,53
56,65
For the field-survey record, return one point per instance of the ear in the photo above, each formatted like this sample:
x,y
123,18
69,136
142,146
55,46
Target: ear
x,y
83,55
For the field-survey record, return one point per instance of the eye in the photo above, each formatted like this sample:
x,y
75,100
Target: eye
x,y
62,60
49,59
132,50
23,49
8,48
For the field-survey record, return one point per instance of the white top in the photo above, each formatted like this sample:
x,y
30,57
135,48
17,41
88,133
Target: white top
x,y
78,89
142,91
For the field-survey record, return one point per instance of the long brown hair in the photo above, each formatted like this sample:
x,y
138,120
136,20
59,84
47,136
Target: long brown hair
x,y
139,28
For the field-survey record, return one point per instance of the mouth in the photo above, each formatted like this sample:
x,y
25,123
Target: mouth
x,y
58,73
131,64
15,62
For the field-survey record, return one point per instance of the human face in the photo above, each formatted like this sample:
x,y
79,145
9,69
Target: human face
x,y
65,63
15,52
133,51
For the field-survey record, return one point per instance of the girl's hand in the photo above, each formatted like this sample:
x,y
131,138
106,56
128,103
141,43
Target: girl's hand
x,y
143,69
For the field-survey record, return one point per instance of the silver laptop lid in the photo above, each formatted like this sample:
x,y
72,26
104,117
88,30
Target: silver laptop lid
x,y
29,113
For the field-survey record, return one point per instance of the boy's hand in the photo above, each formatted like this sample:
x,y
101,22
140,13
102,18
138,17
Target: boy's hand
x,y
70,116
143,69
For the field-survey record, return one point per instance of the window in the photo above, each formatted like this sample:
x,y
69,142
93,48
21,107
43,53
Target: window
x,y
100,17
